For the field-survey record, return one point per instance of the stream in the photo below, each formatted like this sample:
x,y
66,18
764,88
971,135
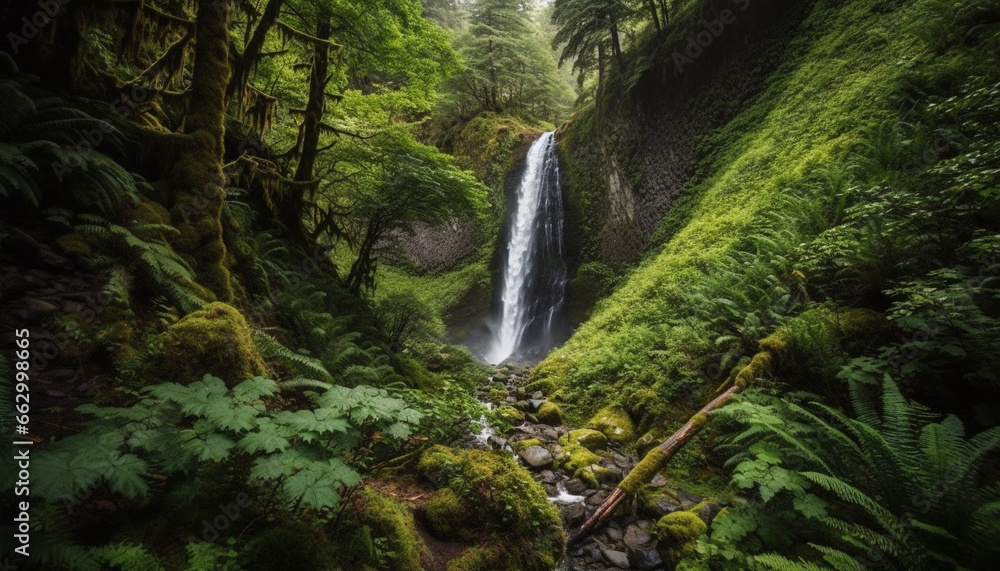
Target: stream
x,y
628,541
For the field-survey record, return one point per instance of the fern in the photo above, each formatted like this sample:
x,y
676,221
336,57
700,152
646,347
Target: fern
x,y
272,349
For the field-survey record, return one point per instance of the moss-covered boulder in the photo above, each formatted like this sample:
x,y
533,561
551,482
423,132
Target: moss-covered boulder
x,y
489,498
383,530
214,340
678,534
549,413
445,514
511,415
590,439
595,476
574,456
615,423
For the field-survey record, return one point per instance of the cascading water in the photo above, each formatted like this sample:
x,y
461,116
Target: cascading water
x,y
533,297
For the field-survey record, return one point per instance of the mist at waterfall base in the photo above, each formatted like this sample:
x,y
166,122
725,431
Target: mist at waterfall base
x,y
529,316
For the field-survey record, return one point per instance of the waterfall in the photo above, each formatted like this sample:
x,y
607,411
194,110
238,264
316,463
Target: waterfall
x,y
533,292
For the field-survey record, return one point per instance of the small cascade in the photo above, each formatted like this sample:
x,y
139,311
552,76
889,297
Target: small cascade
x,y
533,292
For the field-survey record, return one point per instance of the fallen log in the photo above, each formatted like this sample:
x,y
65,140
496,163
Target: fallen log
x,y
658,457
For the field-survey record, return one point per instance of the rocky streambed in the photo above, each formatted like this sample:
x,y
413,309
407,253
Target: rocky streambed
x,y
579,467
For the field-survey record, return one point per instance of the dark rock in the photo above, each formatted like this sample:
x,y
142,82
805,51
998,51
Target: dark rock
x,y
662,506
598,498
36,309
636,538
549,433
536,457
687,499
547,477
645,558
708,513
535,404
573,514
658,481
614,535
550,490
575,486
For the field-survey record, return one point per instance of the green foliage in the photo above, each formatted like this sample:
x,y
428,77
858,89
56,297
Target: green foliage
x,y
48,143
493,499
894,487
175,429
126,557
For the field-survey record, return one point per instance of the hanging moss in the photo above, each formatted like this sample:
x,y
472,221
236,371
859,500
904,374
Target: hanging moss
x,y
215,340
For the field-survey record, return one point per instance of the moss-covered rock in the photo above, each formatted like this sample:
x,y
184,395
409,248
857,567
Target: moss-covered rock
x,y
493,500
297,546
386,521
595,476
549,413
522,444
445,514
546,386
573,456
615,423
73,244
678,534
590,439
214,340
511,415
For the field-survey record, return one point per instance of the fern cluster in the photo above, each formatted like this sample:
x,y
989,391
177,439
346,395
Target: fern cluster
x,y
893,488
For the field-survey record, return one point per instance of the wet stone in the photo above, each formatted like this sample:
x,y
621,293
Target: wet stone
x,y
616,558
575,486
687,499
598,498
573,514
535,404
547,477
550,490
646,558
536,457
636,538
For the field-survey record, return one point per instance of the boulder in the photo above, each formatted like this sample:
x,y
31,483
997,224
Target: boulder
x,y
536,457
550,414
590,439
617,559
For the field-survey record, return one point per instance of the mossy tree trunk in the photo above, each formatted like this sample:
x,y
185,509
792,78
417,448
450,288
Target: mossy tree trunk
x,y
246,61
196,179
292,206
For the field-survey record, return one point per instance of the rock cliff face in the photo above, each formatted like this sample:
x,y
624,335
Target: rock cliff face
x,y
630,156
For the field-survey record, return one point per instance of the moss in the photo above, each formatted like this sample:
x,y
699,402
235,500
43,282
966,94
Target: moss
x,y
649,440
549,413
595,476
698,420
574,456
644,471
214,340
588,438
511,415
759,366
678,533
479,558
502,505
615,423
497,395
74,244
522,444
150,212
445,514
390,520
546,386
298,546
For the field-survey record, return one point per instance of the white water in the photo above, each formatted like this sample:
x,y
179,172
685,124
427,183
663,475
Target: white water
x,y
565,497
533,196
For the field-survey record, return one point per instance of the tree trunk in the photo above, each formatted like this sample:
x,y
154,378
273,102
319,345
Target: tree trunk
x,y
291,208
616,46
654,461
196,179
246,61
652,12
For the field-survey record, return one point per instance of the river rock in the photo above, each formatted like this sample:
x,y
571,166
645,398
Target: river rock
x,y
535,404
575,486
536,457
573,514
645,558
613,535
661,506
708,512
598,498
687,499
547,477
636,538
616,558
